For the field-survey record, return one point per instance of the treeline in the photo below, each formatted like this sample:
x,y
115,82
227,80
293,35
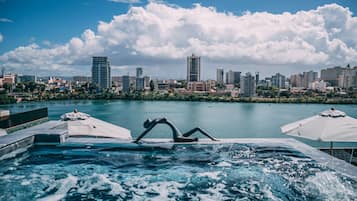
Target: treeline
x,y
153,96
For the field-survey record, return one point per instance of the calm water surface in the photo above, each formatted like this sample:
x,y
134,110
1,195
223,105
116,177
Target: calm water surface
x,y
223,120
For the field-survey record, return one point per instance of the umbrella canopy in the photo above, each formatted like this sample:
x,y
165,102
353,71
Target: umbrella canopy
x,y
331,125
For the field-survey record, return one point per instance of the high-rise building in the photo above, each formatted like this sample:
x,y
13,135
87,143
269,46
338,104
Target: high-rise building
x,y
331,75
296,80
139,81
278,80
147,82
309,77
236,79
220,76
126,84
101,72
193,68
256,78
139,72
233,77
229,77
139,84
348,78
247,85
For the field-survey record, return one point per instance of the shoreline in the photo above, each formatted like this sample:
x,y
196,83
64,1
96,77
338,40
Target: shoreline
x,y
342,101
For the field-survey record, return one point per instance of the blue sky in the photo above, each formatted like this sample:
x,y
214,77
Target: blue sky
x,y
50,23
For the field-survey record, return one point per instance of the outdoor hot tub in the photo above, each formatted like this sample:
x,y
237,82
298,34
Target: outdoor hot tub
x,y
157,169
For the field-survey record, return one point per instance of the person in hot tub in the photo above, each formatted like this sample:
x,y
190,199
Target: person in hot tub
x,y
176,133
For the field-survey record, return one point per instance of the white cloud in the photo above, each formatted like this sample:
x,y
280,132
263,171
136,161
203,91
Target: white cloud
x,y
163,35
125,1
1,38
5,20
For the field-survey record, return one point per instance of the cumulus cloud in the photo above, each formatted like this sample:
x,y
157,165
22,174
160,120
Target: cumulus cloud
x,y
1,38
163,35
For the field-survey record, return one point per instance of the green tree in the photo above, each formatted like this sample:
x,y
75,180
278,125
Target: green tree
x,y
7,87
152,85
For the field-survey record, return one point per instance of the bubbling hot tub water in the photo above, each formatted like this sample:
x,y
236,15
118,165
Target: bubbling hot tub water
x,y
181,172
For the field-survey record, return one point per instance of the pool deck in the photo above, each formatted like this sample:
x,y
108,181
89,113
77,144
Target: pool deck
x,y
41,135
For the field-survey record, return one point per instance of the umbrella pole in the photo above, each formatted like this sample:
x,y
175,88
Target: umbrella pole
x,y
351,157
331,150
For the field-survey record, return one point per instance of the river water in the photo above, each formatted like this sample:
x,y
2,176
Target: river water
x,y
223,120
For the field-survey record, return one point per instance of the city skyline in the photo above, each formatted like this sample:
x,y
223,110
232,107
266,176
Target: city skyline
x,y
311,36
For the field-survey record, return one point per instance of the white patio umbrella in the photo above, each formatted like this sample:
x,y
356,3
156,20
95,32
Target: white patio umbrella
x,y
329,126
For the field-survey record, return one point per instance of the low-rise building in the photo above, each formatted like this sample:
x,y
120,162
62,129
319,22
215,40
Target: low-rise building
x,y
196,86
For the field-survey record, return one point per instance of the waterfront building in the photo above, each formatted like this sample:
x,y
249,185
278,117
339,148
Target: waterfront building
x,y
220,76
278,80
210,84
256,78
193,68
139,84
101,73
9,79
266,82
309,77
147,82
296,80
331,75
348,78
233,77
162,85
139,72
196,86
318,85
229,77
126,84
236,77
247,85
139,81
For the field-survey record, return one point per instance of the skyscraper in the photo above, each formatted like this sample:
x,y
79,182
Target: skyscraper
x,y
220,75
278,80
236,77
139,72
256,78
309,77
233,77
296,80
193,68
101,75
331,75
247,85
126,84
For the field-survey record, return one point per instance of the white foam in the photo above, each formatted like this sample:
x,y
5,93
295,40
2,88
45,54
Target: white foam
x,y
25,182
268,193
224,164
100,182
327,183
212,175
64,185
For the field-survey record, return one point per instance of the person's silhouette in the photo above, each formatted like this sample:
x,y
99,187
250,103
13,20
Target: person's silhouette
x,y
176,133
